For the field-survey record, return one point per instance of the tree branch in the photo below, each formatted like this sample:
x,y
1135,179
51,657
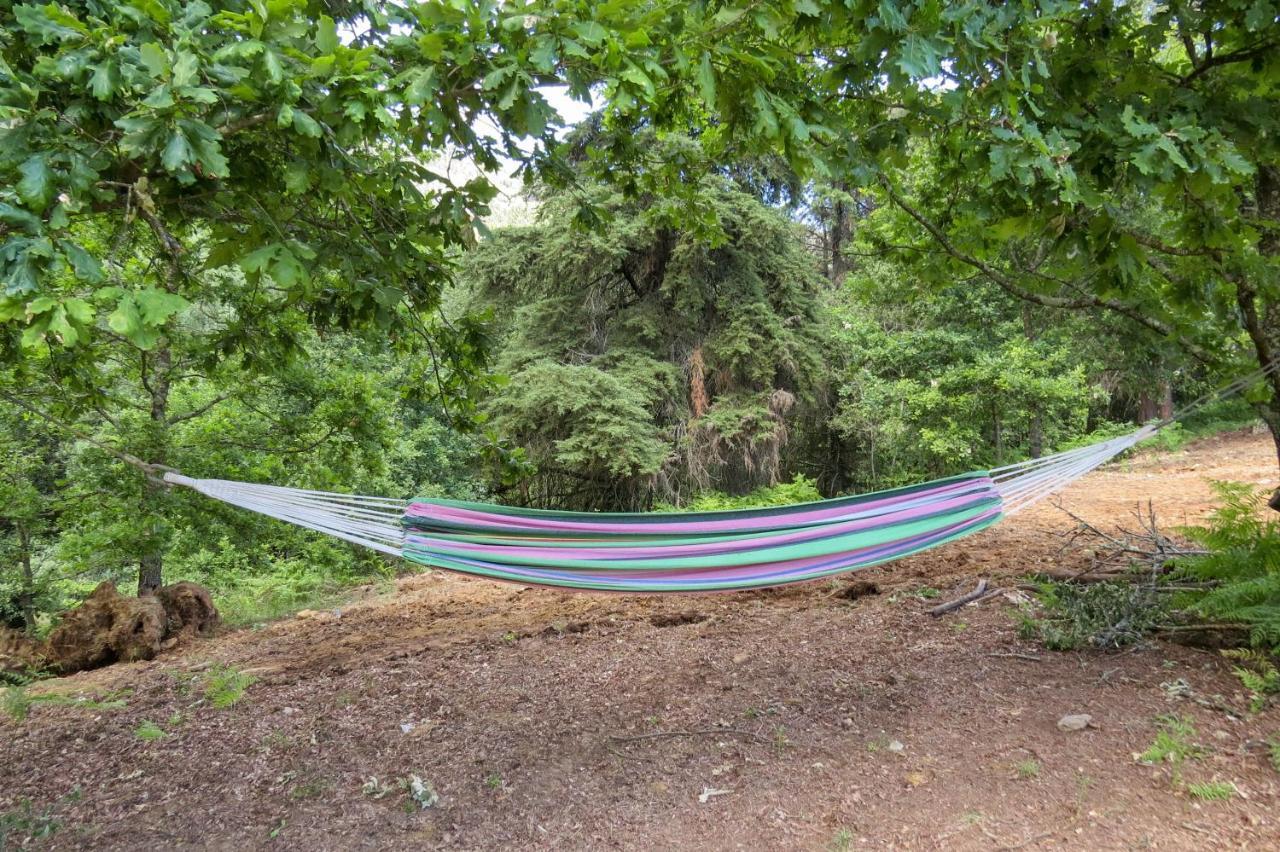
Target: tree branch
x,y
1006,283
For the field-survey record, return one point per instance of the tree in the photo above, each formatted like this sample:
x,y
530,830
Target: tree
x,y
189,189
646,362
29,472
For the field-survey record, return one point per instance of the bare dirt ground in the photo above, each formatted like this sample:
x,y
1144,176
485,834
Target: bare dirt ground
x,y
797,719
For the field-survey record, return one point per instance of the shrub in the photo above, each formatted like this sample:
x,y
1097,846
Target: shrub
x,y
1242,569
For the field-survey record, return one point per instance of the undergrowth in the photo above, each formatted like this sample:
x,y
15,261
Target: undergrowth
x,y
1098,615
16,703
1242,570
1235,586
801,489
224,686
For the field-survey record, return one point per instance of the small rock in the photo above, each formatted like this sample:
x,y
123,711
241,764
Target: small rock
x,y
846,722
896,747
1075,722
739,659
709,792
406,727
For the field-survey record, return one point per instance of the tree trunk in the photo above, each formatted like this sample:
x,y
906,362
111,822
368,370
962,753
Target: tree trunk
x,y
156,380
27,598
1036,437
1261,312
1035,433
841,231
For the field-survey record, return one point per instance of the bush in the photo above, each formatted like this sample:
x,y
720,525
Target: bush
x,y
1242,570
801,489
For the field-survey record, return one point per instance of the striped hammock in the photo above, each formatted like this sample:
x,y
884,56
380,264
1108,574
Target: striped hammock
x,y
675,551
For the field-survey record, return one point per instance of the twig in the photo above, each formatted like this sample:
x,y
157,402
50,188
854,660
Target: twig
x,y
1015,655
941,609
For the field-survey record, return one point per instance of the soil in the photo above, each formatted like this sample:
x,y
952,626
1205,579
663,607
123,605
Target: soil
x,y
827,716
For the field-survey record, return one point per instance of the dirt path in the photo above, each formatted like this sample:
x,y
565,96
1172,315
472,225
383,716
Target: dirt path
x,y
796,719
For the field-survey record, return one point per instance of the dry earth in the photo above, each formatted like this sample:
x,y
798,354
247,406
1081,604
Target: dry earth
x,y
809,718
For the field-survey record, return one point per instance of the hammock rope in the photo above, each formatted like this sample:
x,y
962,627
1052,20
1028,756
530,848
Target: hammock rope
x,y
686,551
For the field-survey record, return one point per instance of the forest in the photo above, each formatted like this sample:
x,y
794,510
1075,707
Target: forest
x,y
702,255
741,282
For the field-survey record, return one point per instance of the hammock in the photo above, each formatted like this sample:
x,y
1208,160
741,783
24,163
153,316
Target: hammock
x,y
682,551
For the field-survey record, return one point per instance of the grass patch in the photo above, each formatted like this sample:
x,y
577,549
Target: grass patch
x,y
17,702
1212,791
1174,744
224,686
24,824
149,731
255,600
1028,769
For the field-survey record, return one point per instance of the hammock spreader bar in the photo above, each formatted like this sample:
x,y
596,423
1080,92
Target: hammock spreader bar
x,y
683,551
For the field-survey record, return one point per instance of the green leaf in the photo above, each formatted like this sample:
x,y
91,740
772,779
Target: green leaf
x,y
259,259
18,217
79,311
186,70
326,35
707,80
306,125
919,58
297,178
105,80
592,33
155,59
86,266
36,185
124,320
161,97
40,305
155,306
271,64
177,154
422,89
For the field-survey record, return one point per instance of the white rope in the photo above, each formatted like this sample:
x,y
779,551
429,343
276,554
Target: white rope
x,y
1023,484
372,522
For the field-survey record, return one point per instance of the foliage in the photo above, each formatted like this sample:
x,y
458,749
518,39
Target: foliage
x,y
1258,673
17,702
1100,615
800,489
949,381
646,361
148,731
25,824
1243,566
1212,791
1174,744
225,685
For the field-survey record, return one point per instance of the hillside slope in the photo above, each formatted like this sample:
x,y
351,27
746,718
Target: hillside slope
x,y
823,716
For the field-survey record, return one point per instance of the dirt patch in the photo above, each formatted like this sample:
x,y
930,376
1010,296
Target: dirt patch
x,y
789,719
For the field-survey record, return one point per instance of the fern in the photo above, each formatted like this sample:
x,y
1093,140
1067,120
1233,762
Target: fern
x,y
1258,674
1242,568
1212,791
